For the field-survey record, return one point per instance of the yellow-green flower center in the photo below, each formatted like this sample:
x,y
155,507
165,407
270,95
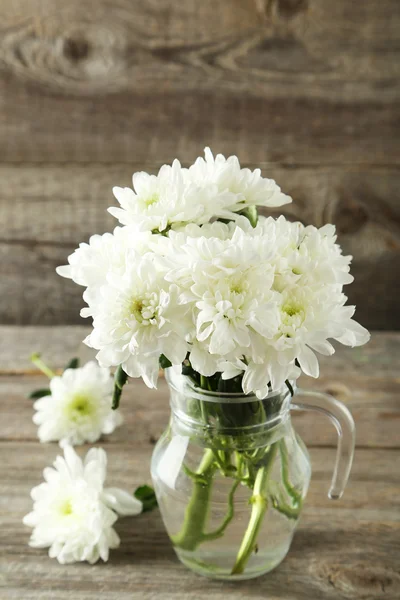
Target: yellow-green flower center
x,y
136,308
66,508
144,309
291,310
292,318
152,200
80,406
237,285
237,288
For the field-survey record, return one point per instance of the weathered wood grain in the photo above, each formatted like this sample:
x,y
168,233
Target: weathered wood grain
x,y
310,86
283,80
372,488
47,210
379,359
57,344
376,412
366,379
345,550
66,204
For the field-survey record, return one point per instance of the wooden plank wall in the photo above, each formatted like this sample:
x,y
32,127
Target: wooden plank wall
x,y
92,90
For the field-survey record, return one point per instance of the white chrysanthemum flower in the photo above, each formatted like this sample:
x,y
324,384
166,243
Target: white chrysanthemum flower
x,y
73,514
308,319
137,317
304,256
230,288
90,263
248,187
320,259
168,200
79,407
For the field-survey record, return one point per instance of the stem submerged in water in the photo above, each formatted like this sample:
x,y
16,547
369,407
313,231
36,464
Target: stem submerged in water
x,y
237,438
259,504
193,530
292,492
219,532
196,512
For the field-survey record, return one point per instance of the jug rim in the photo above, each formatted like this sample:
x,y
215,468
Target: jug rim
x,y
182,384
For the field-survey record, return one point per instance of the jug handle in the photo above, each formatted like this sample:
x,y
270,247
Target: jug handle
x,y
341,417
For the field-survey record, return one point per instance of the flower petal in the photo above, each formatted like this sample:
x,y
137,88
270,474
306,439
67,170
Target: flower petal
x,y
121,501
308,362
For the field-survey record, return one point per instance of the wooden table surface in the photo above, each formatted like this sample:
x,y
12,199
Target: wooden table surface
x,y
348,549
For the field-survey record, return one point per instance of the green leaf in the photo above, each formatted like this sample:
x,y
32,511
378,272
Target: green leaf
x,y
120,379
39,393
73,364
165,363
147,497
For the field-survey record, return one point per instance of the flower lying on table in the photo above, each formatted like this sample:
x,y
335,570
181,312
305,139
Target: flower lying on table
x,y
73,514
76,408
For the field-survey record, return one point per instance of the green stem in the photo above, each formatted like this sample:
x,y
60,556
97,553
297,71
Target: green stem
x,y
292,492
217,533
196,512
225,469
259,504
281,506
37,361
204,384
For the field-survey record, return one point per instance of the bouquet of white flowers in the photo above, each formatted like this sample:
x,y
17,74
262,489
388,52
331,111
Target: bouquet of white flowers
x,y
194,279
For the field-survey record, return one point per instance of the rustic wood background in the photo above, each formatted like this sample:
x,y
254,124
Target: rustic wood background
x,y
92,90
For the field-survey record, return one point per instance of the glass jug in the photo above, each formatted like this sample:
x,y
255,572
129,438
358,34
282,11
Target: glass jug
x,y
231,475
